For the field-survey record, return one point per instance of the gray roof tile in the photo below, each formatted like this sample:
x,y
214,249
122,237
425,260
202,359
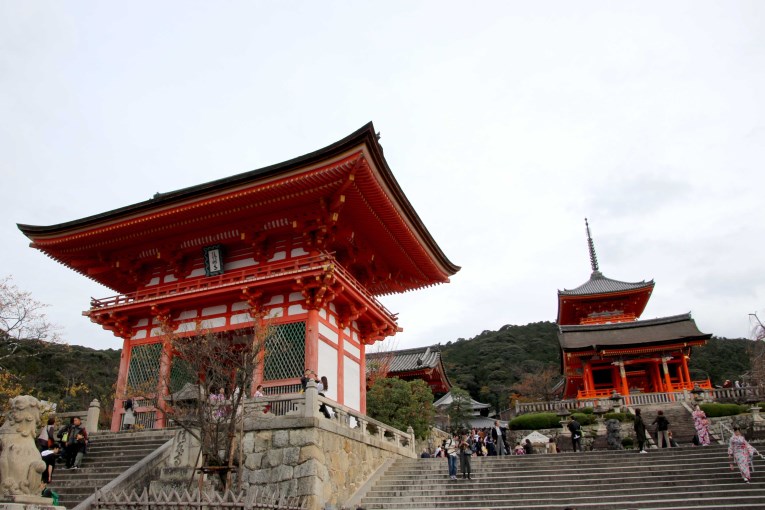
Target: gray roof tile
x,y
599,284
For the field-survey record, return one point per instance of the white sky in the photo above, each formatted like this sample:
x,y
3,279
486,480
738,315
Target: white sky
x,y
506,123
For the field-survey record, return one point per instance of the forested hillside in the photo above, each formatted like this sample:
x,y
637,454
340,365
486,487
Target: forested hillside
x,y
487,365
69,375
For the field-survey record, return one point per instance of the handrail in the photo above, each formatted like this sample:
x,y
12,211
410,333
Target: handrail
x,y
238,277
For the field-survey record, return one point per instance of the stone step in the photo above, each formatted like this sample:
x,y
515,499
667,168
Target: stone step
x,y
672,478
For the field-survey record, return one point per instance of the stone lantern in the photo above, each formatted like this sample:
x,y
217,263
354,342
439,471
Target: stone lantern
x,y
616,402
564,414
698,394
599,411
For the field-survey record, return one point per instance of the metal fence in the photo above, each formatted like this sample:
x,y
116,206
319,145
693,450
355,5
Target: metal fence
x,y
255,498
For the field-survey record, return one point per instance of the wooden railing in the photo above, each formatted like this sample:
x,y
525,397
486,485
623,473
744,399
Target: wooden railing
x,y
238,277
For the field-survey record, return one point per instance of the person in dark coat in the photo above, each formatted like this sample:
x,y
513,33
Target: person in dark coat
x,y
662,428
640,431
576,434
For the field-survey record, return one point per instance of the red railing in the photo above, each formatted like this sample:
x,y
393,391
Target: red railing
x,y
252,274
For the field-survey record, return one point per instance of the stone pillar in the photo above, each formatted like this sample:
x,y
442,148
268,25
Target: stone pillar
x,y
94,412
410,431
311,400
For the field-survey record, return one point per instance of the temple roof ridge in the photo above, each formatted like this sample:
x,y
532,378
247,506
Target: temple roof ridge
x,y
670,319
601,284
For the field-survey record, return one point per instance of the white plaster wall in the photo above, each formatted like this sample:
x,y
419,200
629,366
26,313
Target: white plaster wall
x,y
351,349
352,385
328,333
139,334
328,366
214,310
237,264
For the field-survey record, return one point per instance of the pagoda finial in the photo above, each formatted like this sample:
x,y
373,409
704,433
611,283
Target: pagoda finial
x,y
593,257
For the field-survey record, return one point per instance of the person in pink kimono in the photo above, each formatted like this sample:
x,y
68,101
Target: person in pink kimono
x,y
701,423
741,452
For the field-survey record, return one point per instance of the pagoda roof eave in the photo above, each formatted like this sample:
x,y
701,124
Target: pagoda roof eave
x,y
599,285
653,332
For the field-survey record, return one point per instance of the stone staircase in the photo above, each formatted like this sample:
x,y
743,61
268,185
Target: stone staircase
x,y
673,478
680,421
109,454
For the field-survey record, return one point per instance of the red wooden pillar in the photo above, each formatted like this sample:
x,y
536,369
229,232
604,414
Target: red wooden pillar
x,y
658,384
121,385
687,372
312,340
587,369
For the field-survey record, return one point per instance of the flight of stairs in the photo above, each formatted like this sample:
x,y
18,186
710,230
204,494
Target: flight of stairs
x,y
674,478
680,421
109,454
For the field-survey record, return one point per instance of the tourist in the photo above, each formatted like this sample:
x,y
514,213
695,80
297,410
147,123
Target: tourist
x,y
466,452
662,426
450,446
519,450
424,454
259,391
499,440
576,434
639,426
701,424
76,444
672,442
45,439
218,401
306,377
528,448
551,447
322,385
128,419
741,452
49,456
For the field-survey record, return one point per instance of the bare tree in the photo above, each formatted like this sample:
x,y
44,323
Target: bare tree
x,y
210,375
21,318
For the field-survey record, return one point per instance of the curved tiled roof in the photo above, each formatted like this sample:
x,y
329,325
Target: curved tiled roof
x,y
654,331
599,284
409,359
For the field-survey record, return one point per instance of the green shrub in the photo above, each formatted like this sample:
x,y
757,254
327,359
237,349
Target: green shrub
x,y
585,410
619,416
716,410
627,442
535,421
584,419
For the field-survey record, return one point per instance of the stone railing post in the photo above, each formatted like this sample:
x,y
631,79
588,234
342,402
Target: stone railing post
x,y
311,400
410,431
94,411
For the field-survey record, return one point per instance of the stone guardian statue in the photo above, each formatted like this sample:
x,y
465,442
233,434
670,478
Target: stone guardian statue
x,y
21,466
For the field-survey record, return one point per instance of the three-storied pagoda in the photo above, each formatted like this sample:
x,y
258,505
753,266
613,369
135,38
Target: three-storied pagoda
x,y
311,243
605,348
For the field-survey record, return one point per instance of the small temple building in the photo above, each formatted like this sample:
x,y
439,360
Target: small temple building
x,y
423,363
605,348
310,244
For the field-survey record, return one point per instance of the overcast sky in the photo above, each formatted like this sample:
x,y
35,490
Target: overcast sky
x,y
505,123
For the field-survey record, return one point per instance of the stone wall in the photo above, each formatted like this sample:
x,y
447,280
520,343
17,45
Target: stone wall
x,y
325,461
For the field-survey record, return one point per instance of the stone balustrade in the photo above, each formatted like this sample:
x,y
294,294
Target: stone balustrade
x,y
741,395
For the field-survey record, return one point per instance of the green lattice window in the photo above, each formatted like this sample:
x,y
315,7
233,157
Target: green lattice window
x,y
143,373
180,374
285,352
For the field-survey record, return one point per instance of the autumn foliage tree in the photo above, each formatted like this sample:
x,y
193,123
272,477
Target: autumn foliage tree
x,y
538,385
